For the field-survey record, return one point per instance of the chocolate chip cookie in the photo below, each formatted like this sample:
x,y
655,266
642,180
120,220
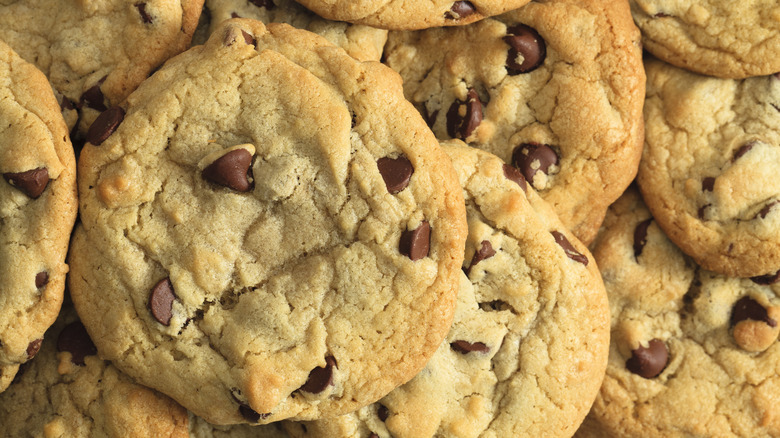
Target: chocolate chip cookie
x,y
529,342
37,209
727,39
693,353
710,164
555,88
268,230
199,428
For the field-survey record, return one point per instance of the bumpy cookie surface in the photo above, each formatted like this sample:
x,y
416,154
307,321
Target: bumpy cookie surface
x,y
693,353
199,428
362,42
68,391
37,209
555,88
528,346
410,14
269,230
710,167
723,38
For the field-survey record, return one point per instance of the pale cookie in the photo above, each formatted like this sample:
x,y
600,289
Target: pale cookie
x,y
710,167
555,88
269,230
37,209
68,391
723,38
410,14
693,353
199,428
529,343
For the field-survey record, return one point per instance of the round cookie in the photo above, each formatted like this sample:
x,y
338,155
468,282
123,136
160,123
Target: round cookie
x,y
37,209
709,170
410,14
555,88
281,241
723,38
529,342
693,353
362,42
68,391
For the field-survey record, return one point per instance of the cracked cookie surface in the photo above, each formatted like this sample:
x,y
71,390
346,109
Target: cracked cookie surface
x,y
555,88
528,345
723,38
693,353
37,209
709,170
268,230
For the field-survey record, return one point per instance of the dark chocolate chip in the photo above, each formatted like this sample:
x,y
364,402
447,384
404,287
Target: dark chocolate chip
x,y
382,412
93,97
41,279
702,210
33,348
320,377
526,42
661,15
66,104
708,184
568,248
75,339
142,10
396,172
460,9
465,347
513,174
31,182
464,117
234,15
250,415
640,237
533,157
648,362
416,243
231,170
105,124
268,4
161,301
743,150
250,40
767,279
485,251
430,118
748,308
765,211
373,435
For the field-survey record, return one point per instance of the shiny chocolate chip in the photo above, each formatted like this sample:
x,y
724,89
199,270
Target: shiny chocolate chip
x,y
765,211
745,148
460,9
748,308
396,172
464,117
33,348
248,38
708,184
231,170
31,182
268,4
513,174
640,237
465,347
142,10
524,42
568,248
320,377
530,158
767,279
648,362
93,97
416,243
161,301
75,340
382,412
41,279
485,251
105,124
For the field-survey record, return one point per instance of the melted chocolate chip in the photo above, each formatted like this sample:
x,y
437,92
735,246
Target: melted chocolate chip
x,y
568,248
250,40
640,237
743,150
320,377
382,412
526,42
465,347
513,174
464,117
396,172
231,170
460,9
268,4
41,279
75,339
105,124
142,10
33,348
485,251
416,243
708,184
766,279
93,97
31,182
161,301
748,308
765,211
250,415
530,158
648,362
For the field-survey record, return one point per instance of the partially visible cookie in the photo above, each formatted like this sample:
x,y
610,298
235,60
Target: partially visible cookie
x,y
710,167
199,428
37,209
528,346
555,88
693,353
728,39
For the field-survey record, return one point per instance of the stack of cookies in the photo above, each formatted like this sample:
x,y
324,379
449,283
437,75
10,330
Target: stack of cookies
x,y
351,218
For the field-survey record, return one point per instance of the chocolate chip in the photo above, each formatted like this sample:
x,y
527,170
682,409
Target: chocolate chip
x,y
250,415
233,15
568,248
41,279
700,213
382,412
416,243
268,4
430,118
75,339
373,435
161,301
31,182
748,308
320,377
767,279
640,237
465,347
105,124
526,42
93,97
460,9
743,150
533,157
485,251
513,174
765,211
464,117
396,172
66,104
708,184
231,170
661,15
142,10
250,40
33,348
648,362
